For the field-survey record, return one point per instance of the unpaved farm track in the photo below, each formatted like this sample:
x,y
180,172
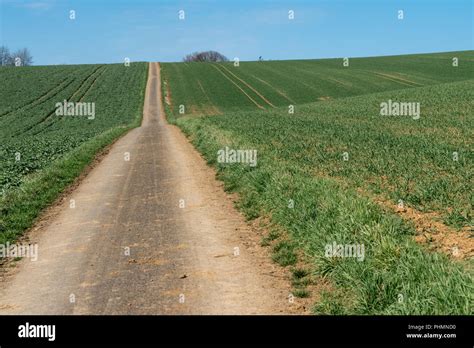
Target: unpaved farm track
x,y
198,259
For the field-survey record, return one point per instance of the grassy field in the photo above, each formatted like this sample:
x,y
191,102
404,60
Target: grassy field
x,y
335,170
205,89
40,152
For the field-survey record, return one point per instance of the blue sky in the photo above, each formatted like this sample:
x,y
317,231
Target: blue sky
x,y
107,31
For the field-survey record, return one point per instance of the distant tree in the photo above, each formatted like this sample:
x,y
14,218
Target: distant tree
x,y
22,56
206,56
5,57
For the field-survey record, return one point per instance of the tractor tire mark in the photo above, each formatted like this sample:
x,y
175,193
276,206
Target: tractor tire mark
x,y
249,86
398,79
344,84
283,76
248,96
325,78
80,100
275,89
43,119
213,110
41,99
93,83
92,77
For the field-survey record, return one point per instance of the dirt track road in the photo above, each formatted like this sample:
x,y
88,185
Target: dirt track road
x,y
181,259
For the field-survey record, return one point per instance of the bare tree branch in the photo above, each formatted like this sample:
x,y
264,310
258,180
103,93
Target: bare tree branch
x,y
206,56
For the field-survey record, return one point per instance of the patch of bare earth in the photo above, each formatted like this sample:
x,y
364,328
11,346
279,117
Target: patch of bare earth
x,y
432,233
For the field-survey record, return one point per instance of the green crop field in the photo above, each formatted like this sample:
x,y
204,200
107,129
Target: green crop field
x,y
216,88
335,170
41,152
